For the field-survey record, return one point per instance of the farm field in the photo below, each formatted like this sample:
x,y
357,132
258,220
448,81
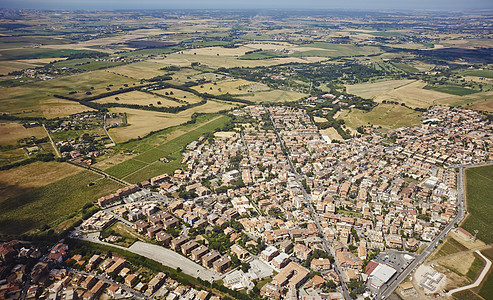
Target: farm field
x,y
479,188
486,105
143,122
16,181
139,98
139,70
179,94
86,64
410,92
168,143
333,50
233,87
274,96
22,213
11,132
184,60
331,133
450,89
388,116
15,65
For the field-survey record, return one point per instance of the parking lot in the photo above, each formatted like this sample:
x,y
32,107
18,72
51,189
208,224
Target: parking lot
x,y
396,259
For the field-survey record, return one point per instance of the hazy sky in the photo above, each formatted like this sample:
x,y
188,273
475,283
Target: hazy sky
x,y
253,4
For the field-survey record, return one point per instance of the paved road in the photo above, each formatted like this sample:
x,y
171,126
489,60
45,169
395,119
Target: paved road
x,y
164,256
313,213
478,281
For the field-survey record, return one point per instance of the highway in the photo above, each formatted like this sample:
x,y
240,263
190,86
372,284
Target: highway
x,y
313,213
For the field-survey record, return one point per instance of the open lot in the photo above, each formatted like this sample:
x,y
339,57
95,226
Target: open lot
x,y
331,133
40,206
388,116
479,188
143,122
11,132
139,98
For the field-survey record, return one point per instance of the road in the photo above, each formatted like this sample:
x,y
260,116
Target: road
x,y
478,281
104,127
52,142
164,256
313,213
390,286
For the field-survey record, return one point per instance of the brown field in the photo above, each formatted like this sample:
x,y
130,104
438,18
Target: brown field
x,y
11,132
234,87
319,120
16,181
54,108
139,98
274,96
213,51
142,122
410,92
9,66
36,99
139,70
331,133
388,116
180,94
184,75
486,105
184,60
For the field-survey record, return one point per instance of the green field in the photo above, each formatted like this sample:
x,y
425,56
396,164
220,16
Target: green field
x,y
167,143
30,53
451,246
479,73
406,68
475,269
42,206
86,64
334,50
486,290
450,89
479,193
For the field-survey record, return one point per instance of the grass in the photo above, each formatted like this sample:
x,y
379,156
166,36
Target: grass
x,y
406,68
467,295
139,70
11,132
125,168
86,64
129,236
179,94
486,290
168,143
41,206
143,122
475,269
274,96
451,89
261,55
139,98
386,115
479,73
29,53
333,50
479,182
451,246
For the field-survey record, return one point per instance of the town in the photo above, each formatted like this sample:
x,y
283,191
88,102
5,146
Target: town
x,y
274,201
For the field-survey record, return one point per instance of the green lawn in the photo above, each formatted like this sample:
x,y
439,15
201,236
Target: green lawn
x,y
451,89
479,193
43,206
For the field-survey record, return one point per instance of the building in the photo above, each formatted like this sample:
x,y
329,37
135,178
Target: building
x,y
378,274
293,275
320,264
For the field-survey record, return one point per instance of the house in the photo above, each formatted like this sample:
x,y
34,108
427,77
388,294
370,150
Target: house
x,y
177,242
155,283
89,282
198,252
210,257
281,260
163,237
348,260
98,288
187,247
269,253
241,253
320,264
130,280
221,264
116,267
293,275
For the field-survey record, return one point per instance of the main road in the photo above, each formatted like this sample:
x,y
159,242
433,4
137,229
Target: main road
x,y
313,213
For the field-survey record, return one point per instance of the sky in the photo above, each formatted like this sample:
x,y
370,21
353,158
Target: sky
x,y
251,4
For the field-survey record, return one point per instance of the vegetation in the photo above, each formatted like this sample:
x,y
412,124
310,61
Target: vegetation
x,y
479,189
